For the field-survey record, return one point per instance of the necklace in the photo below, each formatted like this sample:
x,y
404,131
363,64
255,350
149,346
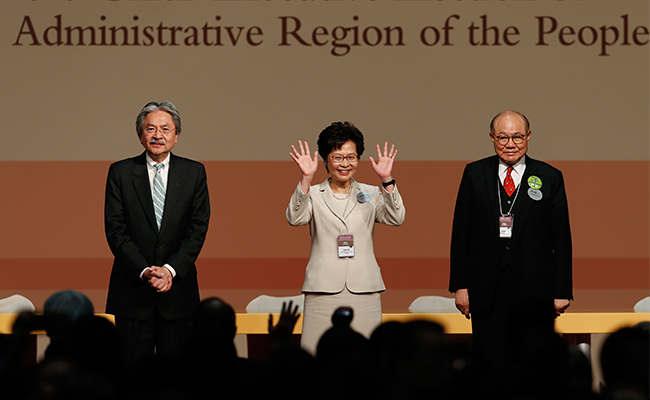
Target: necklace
x,y
344,197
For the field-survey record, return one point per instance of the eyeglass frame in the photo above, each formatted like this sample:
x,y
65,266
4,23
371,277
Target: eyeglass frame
x,y
354,156
514,138
158,129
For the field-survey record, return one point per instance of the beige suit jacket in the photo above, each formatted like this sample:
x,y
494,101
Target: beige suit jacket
x,y
326,272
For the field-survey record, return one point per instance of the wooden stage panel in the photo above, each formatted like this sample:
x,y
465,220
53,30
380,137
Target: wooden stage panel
x,y
572,323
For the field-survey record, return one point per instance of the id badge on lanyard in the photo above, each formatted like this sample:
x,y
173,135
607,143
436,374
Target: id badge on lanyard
x,y
505,227
346,245
506,221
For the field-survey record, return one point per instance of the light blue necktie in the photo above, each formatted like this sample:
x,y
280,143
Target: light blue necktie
x,y
158,195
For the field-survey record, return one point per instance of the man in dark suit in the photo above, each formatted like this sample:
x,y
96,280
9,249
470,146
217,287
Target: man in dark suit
x,y
511,254
156,214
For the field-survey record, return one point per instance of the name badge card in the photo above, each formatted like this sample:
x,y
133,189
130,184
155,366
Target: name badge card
x,y
346,245
505,227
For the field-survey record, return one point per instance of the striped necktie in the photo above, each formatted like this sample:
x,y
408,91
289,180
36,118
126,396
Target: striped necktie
x,y
158,195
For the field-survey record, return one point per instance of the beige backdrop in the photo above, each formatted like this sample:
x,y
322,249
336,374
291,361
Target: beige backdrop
x,y
244,102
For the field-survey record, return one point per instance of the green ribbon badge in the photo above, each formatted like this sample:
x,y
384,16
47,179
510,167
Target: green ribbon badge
x,y
534,182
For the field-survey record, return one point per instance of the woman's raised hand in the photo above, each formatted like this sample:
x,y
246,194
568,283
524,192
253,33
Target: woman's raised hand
x,y
307,165
384,164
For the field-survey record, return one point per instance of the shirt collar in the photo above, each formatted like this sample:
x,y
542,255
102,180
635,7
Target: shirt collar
x,y
152,163
519,167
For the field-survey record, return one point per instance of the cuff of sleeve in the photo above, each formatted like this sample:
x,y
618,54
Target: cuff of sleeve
x,y
300,193
143,271
384,191
172,270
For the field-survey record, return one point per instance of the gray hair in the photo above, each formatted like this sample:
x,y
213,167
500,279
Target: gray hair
x,y
165,106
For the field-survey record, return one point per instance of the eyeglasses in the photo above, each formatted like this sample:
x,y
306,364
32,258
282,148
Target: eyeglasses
x,y
503,139
150,130
337,158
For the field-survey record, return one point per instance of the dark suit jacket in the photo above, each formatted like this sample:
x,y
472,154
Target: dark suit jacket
x,y
134,239
540,249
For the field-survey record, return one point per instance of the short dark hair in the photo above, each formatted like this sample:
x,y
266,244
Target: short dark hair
x,y
624,360
214,317
152,106
336,135
69,303
516,112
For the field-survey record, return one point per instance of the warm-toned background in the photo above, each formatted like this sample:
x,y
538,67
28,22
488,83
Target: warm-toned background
x,y
67,112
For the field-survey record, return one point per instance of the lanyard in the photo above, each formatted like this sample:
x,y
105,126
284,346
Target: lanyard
x,y
513,201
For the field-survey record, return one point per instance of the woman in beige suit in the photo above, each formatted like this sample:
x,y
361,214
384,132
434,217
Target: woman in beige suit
x,y
341,214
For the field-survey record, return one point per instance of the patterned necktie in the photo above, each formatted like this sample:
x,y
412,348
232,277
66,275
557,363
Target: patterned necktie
x,y
508,183
158,195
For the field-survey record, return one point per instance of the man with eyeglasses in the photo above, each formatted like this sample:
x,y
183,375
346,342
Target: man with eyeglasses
x,y
156,216
511,252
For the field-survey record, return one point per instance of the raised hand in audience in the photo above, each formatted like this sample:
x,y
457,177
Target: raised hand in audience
x,y
281,332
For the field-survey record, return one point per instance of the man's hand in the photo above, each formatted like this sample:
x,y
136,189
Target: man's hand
x,y
462,302
159,278
561,305
148,274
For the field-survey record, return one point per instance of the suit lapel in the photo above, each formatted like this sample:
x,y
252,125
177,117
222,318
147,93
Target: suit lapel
x,y
352,200
327,194
526,201
492,183
175,183
143,189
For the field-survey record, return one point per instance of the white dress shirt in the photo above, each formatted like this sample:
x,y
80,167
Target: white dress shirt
x,y
517,173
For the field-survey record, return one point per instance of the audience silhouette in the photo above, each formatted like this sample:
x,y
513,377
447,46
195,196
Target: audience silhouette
x,y
625,360
401,361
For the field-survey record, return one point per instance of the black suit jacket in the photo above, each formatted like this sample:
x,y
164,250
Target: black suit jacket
x,y
136,244
539,251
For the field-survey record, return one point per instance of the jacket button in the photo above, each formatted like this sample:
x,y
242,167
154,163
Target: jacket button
x,y
507,247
